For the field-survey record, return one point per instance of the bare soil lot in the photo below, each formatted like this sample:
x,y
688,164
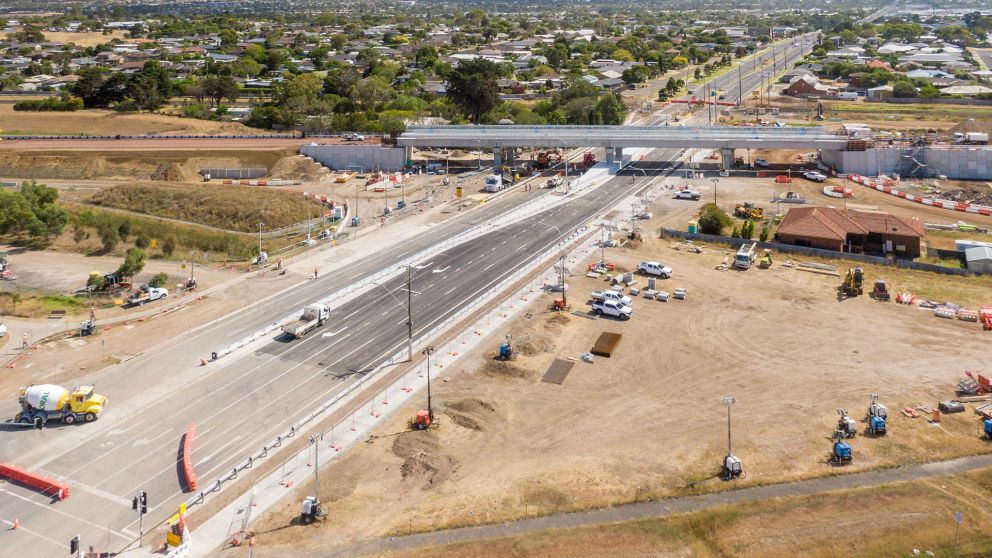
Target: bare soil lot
x,y
649,422
86,39
97,122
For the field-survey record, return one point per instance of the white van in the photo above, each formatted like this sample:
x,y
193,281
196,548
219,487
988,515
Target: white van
x,y
848,96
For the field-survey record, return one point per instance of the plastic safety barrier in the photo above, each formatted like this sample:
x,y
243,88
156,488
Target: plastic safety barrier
x,y
187,459
885,187
46,485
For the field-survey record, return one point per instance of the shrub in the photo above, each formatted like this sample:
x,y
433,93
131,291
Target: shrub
x,y
109,237
51,104
159,280
142,241
712,219
134,262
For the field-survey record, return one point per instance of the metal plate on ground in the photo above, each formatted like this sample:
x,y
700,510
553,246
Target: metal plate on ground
x,y
557,372
606,344
590,314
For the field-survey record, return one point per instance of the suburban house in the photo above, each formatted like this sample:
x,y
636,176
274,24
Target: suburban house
x,y
806,86
843,230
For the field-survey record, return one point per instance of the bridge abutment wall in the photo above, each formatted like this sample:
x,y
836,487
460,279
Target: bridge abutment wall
x,y
958,163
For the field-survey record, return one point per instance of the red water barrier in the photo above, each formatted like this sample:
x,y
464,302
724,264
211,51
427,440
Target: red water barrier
x,y
187,459
45,485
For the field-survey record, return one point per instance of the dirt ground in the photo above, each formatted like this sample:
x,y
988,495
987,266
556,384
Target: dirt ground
x,y
86,39
891,520
97,122
649,421
150,164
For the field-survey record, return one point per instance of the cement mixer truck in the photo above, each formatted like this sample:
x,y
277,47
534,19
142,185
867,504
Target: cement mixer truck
x,y
45,402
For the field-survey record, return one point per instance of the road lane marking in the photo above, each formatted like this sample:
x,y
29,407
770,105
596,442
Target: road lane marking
x,y
51,508
35,533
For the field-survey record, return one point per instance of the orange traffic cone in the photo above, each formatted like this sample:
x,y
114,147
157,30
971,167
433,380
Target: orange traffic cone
x,y
15,525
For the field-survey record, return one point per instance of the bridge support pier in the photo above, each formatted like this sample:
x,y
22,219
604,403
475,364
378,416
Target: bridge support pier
x,y
726,158
614,155
497,157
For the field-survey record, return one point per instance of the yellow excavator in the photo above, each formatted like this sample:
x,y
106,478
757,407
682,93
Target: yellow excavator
x,y
854,282
749,211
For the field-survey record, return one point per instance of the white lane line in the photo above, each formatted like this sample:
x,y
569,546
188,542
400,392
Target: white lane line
x,y
91,489
47,507
449,291
488,266
60,544
211,455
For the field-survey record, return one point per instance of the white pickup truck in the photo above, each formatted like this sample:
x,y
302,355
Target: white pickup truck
x,y
815,176
612,308
611,295
147,294
313,316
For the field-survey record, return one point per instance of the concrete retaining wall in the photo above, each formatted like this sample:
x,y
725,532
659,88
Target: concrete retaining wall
x,y
368,157
960,163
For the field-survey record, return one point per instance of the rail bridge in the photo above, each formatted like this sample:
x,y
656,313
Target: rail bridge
x,y
615,138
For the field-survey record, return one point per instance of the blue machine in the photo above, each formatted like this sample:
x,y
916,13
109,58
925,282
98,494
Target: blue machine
x,y
355,221
400,204
988,429
876,426
505,351
842,453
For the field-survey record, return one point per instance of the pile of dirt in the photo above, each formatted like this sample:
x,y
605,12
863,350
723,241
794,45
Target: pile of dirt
x,y
472,413
557,321
422,460
503,369
173,172
299,168
972,125
532,345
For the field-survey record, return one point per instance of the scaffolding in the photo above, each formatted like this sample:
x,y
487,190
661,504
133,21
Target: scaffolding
x,y
913,163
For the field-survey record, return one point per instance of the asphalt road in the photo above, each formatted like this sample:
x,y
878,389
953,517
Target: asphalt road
x,y
245,400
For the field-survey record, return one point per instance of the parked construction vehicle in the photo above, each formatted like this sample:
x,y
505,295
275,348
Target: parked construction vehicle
x,y
554,182
854,282
732,467
847,427
877,416
44,402
495,183
766,259
745,255
987,425
749,211
313,316
547,158
841,454
880,291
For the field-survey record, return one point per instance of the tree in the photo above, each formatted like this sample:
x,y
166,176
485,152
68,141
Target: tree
x,y
765,233
246,67
472,86
150,87
611,110
134,262
109,237
929,92
96,282
372,91
169,245
712,219
159,280
903,90
228,37
217,88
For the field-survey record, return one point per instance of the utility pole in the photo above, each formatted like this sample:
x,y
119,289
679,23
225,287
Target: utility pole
x,y
729,402
309,225
260,225
409,315
428,351
715,181
315,442
740,86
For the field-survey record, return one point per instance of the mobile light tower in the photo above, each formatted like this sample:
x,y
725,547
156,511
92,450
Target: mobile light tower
x,y
424,419
732,467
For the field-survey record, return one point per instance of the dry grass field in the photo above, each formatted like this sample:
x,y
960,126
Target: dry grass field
x,y
86,39
104,122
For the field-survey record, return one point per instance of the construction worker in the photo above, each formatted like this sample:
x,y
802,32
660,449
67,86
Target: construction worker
x,y
24,342
315,273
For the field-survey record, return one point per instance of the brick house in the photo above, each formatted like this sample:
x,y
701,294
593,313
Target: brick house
x,y
851,231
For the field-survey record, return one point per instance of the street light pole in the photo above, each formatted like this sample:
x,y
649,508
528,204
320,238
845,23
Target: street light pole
x,y
729,401
260,225
428,351
409,313
715,181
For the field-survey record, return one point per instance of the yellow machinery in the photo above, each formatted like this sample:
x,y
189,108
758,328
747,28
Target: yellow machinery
x,y
854,282
766,259
749,211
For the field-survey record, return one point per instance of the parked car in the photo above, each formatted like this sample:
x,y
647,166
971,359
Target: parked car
x,y
687,194
762,163
3,329
612,308
655,268
815,176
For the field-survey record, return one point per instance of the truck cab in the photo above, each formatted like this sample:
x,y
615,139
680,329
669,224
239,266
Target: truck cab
x,y
494,183
745,256
615,296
